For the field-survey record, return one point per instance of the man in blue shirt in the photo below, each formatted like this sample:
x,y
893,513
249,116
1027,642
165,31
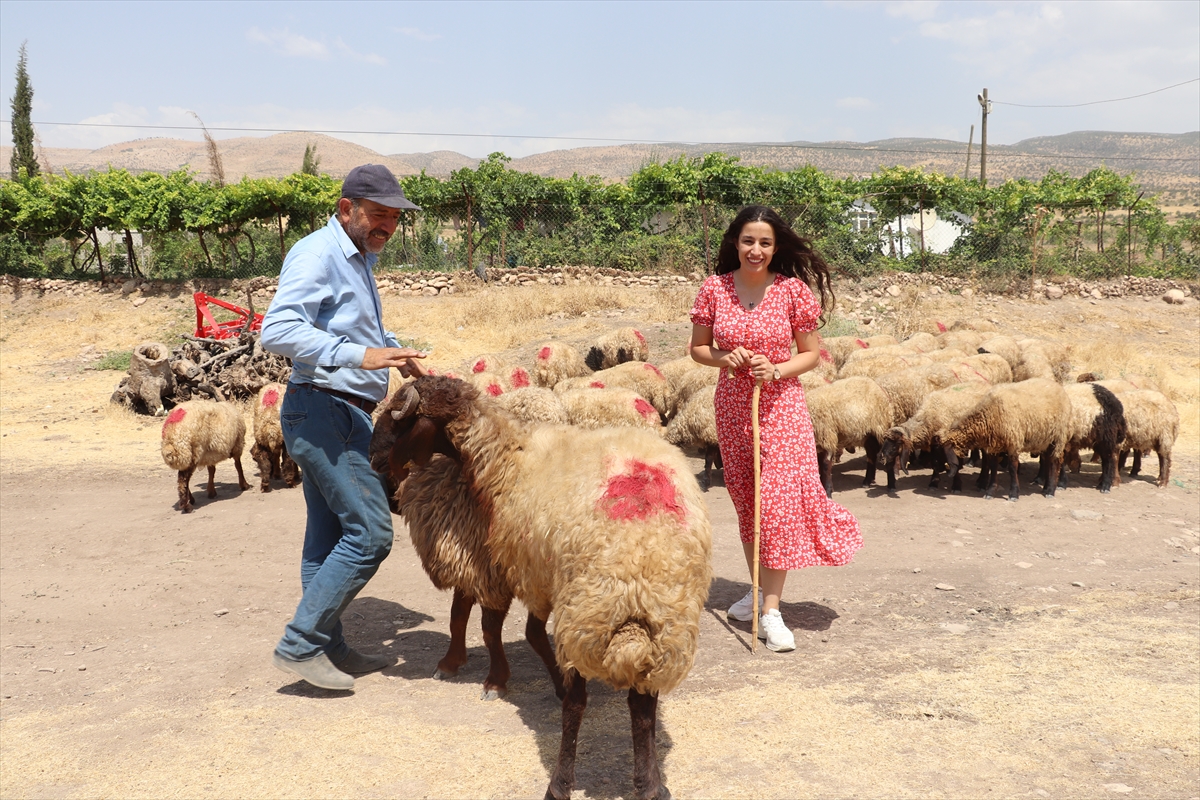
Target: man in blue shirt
x,y
326,317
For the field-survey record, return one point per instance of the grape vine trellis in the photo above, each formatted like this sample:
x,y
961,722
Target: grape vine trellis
x,y
667,216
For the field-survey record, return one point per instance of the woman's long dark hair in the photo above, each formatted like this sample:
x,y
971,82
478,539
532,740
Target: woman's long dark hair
x,y
794,255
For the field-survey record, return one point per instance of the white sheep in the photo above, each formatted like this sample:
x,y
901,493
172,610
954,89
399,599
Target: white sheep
x,y
617,347
986,367
1012,418
695,425
870,367
1152,423
643,377
269,450
1004,346
534,404
202,433
840,348
556,361
965,340
607,529
610,407
908,388
849,413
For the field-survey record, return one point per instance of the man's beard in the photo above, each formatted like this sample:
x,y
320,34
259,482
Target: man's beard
x,y
360,234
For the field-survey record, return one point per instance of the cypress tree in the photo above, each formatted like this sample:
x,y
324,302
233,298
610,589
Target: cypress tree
x,y
23,154
312,161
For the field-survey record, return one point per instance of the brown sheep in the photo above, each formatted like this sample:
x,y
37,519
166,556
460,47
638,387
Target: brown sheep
x,y
269,450
852,412
1152,424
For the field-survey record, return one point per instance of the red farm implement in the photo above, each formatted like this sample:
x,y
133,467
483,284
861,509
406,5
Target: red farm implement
x,y
207,326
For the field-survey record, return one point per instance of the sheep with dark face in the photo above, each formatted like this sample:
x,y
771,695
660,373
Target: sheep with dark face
x,y
617,347
1097,423
924,429
606,528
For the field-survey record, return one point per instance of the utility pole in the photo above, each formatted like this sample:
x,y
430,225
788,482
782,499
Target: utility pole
x,y
987,108
970,141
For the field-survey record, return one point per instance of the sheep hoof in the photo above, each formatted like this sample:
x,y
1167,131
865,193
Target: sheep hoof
x,y
493,693
1012,499
265,488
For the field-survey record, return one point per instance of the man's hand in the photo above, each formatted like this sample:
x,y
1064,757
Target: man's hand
x,y
384,357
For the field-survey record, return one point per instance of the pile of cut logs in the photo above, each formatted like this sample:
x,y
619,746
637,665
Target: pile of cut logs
x,y
217,369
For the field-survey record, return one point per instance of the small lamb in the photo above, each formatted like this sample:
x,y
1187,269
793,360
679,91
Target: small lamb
x,y
202,433
268,450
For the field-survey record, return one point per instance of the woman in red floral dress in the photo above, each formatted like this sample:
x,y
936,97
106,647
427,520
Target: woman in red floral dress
x,y
745,320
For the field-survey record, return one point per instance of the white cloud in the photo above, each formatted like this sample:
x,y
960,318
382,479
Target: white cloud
x,y
854,102
286,43
367,58
418,34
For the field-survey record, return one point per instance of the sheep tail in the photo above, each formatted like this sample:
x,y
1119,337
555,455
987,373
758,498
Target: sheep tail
x,y
631,654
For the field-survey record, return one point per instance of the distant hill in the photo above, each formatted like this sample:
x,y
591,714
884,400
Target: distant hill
x,y
1166,164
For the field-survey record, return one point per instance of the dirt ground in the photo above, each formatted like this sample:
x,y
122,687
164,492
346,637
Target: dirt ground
x,y
1043,648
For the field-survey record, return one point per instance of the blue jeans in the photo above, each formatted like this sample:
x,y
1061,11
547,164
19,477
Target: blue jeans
x,y
349,529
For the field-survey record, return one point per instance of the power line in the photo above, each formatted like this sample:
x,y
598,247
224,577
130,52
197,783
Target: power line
x,y
779,145
1098,102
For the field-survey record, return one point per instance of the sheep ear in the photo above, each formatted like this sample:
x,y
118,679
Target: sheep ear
x,y
408,405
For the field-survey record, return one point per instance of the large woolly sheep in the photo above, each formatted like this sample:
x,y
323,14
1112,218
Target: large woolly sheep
x,y
202,433
1152,423
643,377
922,342
849,413
269,450
924,429
617,347
556,361
908,388
491,383
695,425
1012,418
612,407
700,378
965,340
986,367
840,348
607,529
534,404
1056,355
1004,346
871,367
1097,423
879,352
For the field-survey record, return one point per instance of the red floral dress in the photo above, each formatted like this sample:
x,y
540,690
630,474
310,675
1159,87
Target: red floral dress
x,y
800,526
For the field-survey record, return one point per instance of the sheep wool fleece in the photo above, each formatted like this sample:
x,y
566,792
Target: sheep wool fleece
x,y
798,528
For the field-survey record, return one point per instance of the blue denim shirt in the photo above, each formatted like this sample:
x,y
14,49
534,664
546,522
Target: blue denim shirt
x,y
326,313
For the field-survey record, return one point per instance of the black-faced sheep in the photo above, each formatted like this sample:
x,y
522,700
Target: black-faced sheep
x,y
534,404
1012,418
695,425
607,529
1097,422
617,347
852,412
1152,423
924,429
611,407
556,361
642,377
202,433
269,450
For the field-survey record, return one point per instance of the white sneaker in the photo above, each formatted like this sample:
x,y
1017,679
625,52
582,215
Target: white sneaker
x,y
743,610
775,633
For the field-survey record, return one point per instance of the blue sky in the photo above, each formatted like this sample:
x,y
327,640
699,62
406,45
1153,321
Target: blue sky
x,y
679,71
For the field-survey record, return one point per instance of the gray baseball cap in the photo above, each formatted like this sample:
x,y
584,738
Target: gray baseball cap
x,y
377,183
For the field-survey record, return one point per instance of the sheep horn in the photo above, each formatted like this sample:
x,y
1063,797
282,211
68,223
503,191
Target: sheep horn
x,y
411,399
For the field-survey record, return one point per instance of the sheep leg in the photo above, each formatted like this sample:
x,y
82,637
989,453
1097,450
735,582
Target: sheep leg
x,y
263,459
289,469
535,634
1106,470
647,781
495,685
1121,461
871,445
574,704
1164,468
952,471
456,656
186,500
1014,481
237,463
1056,465
275,463
987,475
1137,464
212,480
825,468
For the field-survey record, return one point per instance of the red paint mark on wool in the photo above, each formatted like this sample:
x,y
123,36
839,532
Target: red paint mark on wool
x,y
638,334
644,490
494,389
270,397
596,385
544,354
941,328
653,369
825,355
519,378
479,366
176,415
644,408
861,343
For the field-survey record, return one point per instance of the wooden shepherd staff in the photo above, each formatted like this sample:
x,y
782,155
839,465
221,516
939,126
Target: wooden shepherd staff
x,y
757,510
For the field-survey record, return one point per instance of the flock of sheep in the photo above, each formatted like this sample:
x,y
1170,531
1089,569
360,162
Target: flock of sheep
x,y
562,484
